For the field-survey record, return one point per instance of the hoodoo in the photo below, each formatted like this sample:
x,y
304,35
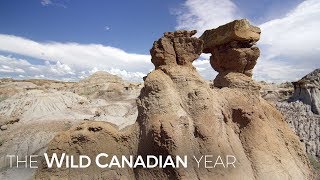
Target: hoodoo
x,y
180,114
307,90
233,53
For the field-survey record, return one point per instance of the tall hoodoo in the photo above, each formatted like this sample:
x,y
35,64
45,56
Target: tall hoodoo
x,y
180,114
233,52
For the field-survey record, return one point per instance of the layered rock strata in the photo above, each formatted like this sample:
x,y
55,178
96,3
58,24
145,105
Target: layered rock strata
x,y
307,90
305,123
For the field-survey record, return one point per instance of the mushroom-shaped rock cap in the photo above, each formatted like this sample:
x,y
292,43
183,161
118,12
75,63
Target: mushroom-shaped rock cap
x,y
237,30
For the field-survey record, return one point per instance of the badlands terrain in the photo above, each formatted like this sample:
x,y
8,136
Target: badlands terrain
x,y
33,111
273,129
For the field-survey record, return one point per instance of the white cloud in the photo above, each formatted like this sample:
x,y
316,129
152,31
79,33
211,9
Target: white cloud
x,y
22,69
204,68
107,28
46,2
58,3
273,71
11,66
203,14
8,69
74,57
289,45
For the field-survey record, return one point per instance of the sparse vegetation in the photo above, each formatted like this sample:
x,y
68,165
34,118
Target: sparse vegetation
x,y
315,163
2,98
1,142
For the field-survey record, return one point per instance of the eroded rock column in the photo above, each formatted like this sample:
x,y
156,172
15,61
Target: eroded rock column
x,y
176,48
233,53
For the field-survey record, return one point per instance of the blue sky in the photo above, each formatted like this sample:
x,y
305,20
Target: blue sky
x,y
126,24
69,39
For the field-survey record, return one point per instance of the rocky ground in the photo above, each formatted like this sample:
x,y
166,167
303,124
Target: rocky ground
x,y
299,103
32,112
65,104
